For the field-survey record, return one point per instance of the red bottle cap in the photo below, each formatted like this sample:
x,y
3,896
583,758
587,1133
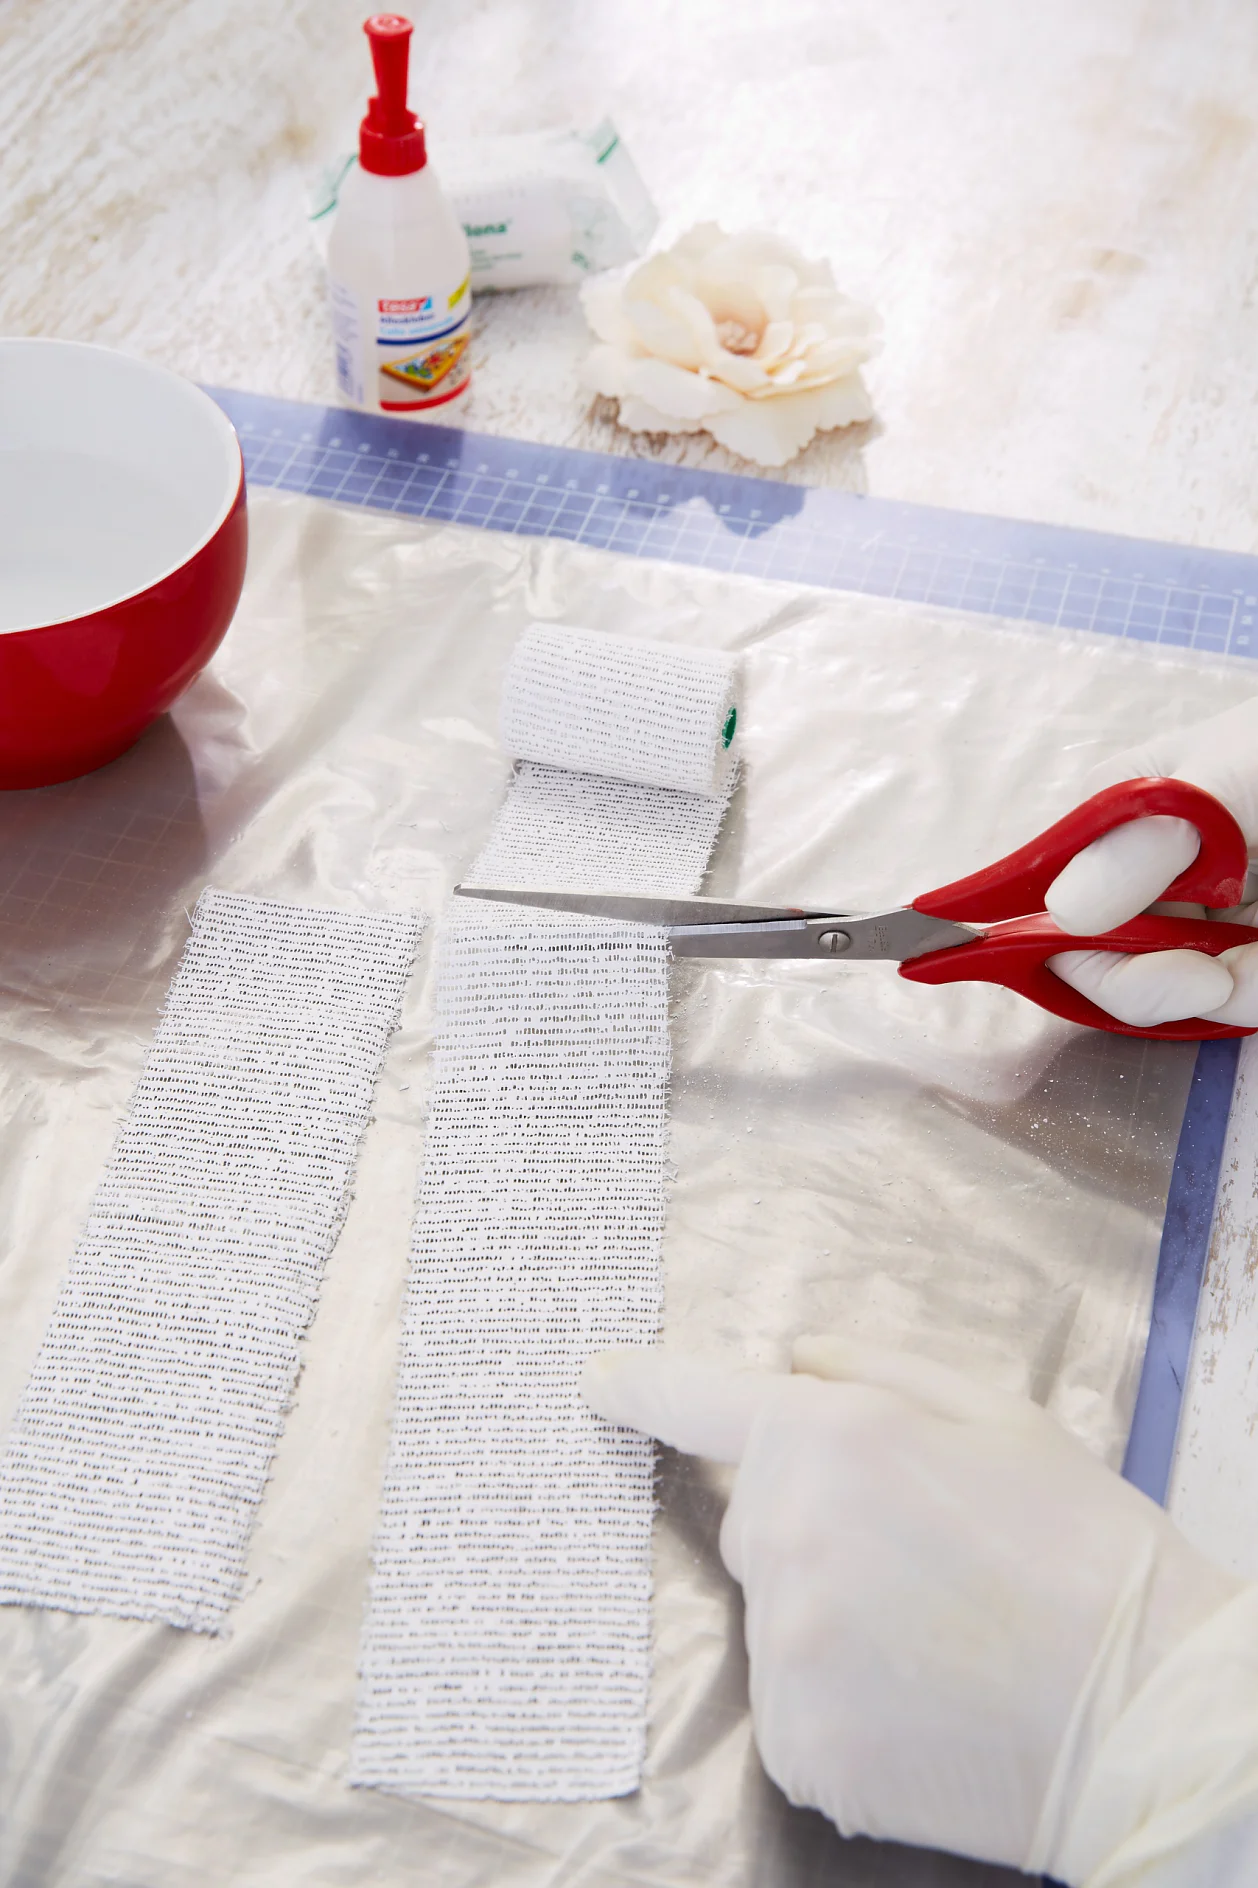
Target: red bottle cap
x,y
390,138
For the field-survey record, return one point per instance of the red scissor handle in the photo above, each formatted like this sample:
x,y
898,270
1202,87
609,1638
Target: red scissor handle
x,y
1016,885
1015,955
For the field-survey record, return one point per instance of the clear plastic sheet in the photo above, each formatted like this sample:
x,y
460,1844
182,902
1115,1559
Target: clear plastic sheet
x,y
943,1167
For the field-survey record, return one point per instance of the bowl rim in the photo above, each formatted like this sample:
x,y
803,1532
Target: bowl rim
x,y
219,421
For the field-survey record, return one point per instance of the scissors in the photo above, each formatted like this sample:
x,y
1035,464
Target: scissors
x,y
988,928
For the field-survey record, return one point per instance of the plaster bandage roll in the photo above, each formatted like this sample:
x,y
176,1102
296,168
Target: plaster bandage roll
x,y
506,1651
142,1443
646,712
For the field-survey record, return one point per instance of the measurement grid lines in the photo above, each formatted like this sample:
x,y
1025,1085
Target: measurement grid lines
x,y
794,534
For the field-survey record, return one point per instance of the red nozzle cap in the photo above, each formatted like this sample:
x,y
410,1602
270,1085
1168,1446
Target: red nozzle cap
x,y
390,138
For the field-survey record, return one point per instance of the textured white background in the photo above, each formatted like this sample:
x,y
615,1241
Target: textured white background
x,y
1051,206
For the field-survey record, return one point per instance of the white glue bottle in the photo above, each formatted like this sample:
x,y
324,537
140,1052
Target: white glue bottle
x,y
397,258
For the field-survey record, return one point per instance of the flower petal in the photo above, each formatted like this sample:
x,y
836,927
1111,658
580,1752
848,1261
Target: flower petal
x,y
674,329
776,342
844,402
767,431
772,431
776,286
659,331
789,374
602,300
838,315
652,279
638,417
740,371
672,390
730,297
832,359
603,370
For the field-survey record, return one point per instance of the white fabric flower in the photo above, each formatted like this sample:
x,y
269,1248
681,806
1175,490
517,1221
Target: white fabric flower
x,y
738,336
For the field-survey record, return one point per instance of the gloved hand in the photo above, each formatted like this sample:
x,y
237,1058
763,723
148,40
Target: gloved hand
x,y
951,1611
1129,869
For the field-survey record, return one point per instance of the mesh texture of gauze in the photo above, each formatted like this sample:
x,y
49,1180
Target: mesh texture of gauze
x,y
506,1650
143,1440
642,711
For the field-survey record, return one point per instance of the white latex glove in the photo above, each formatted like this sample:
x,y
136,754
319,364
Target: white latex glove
x,y
965,1632
1130,868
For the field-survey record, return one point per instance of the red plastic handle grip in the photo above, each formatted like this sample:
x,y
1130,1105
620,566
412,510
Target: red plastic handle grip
x,y
1016,886
1015,955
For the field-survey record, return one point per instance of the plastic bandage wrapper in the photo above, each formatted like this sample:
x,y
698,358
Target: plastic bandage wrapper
x,y
143,1441
506,1652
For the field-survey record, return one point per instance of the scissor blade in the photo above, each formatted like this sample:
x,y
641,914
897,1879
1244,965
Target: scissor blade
x,y
892,936
710,927
634,907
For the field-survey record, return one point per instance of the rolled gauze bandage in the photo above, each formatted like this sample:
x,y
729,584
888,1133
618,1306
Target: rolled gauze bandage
x,y
647,712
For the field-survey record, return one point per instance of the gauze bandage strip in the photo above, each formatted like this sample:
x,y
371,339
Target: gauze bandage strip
x,y
648,712
144,1438
506,1649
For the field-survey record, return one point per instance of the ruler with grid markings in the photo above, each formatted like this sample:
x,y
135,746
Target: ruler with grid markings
x,y
1172,595
1162,593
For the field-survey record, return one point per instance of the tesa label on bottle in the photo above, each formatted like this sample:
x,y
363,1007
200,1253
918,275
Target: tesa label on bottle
x,y
440,367
405,320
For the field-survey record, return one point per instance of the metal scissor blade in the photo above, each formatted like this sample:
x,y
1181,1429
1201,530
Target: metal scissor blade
x,y
896,935
711,927
890,936
636,907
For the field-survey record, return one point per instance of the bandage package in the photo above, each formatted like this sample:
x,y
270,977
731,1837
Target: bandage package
x,y
544,206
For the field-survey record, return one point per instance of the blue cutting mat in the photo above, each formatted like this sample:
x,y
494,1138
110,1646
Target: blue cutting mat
x,y
1146,592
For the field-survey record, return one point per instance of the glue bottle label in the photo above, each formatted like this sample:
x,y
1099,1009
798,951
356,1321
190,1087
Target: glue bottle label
x,y
418,355
422,349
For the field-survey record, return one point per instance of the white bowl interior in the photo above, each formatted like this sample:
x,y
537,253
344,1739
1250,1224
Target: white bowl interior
x,y
112,474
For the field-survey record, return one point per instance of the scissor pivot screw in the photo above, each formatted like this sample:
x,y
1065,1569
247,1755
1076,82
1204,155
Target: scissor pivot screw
x,y
834,943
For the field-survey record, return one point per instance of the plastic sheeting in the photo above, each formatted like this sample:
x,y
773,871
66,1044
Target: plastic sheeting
x,y
945,1167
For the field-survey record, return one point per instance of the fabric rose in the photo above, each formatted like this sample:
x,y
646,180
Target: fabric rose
x,y
738,336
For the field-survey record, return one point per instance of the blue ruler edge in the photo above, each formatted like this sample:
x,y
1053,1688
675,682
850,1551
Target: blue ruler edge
x,y
1168,594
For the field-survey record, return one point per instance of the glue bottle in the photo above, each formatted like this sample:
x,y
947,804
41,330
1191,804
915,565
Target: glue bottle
x,y
398,264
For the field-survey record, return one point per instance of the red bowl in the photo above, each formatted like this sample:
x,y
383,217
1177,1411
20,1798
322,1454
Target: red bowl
x,y
122,492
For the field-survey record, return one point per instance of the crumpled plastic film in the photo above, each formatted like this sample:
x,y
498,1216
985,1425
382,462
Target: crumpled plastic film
x,y
944,1168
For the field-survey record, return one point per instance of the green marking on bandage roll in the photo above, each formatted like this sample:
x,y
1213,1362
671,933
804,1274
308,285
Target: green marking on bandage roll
x,y
727,732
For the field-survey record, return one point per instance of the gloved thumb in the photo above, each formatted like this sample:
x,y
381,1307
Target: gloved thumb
x,y
700,1407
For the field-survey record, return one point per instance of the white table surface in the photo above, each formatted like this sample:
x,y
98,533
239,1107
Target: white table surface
x,y
1054,209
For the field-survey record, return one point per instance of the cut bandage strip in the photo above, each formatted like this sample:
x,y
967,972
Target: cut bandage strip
x,y
647,712
507,1645
142,1443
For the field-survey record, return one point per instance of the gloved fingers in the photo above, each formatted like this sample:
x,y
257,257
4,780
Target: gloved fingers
x,y
922,1381
772,1519
1156,758
1241,1007
1121,874
701,1407
1159,987
1220,754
